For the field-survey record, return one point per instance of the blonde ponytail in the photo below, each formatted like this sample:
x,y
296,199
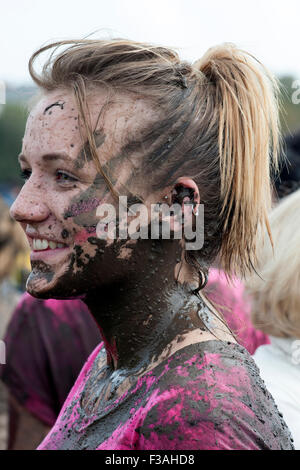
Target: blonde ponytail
x,y
245,97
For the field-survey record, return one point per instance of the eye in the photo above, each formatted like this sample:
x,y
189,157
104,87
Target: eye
x,y
63,177
25,174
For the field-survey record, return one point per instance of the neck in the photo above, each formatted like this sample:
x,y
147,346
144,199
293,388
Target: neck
x,y
139,316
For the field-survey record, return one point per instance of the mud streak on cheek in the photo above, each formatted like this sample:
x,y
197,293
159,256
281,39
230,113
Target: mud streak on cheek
x,y
82,206
83,214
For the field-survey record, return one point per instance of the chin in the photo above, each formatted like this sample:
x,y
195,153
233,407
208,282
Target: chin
x,y
49,285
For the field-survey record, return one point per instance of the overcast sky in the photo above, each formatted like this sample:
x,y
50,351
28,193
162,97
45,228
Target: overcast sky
x,y
267,28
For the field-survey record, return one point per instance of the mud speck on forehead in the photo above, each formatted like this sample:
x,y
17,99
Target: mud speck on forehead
x,y
57,103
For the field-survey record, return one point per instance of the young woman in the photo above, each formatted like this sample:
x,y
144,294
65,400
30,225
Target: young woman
x,y
119,118
276,310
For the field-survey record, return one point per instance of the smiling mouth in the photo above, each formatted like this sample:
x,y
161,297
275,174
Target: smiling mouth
x,y
44,245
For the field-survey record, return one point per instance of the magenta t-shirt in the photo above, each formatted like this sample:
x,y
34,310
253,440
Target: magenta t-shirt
x,y
207,395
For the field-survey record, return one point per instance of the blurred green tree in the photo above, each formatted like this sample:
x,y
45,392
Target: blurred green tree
x,y
12,125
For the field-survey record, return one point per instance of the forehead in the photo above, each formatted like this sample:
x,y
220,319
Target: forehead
x,y
54,123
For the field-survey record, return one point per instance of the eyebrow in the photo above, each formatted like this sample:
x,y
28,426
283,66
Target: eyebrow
x,y
48,157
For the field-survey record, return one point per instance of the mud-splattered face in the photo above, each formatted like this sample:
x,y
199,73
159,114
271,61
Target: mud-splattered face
x,y
57,204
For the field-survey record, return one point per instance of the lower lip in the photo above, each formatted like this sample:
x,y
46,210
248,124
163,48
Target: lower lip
x,y
47,254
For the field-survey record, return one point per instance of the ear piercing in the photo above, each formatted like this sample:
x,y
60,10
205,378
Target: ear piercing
x,y
195,210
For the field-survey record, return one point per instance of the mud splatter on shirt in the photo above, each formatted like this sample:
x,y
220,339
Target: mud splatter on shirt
x,y
205,396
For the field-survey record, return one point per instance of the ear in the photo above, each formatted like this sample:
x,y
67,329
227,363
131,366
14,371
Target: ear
x,y
186,191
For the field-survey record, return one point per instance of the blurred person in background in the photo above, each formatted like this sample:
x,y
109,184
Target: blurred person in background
x,y
228,297
275,300
47,343
14,262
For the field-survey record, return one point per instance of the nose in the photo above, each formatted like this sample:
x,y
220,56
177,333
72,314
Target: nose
x,y
30,206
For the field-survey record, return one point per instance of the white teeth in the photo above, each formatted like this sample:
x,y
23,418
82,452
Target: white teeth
x,y
39,245
44,244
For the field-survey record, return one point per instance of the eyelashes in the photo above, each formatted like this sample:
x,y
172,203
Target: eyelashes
x,y
25,174
61,177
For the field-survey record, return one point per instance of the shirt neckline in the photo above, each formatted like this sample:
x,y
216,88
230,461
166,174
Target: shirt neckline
x,y
87,420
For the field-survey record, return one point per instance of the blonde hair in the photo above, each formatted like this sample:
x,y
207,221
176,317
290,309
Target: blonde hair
x,y
219,125
275,295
